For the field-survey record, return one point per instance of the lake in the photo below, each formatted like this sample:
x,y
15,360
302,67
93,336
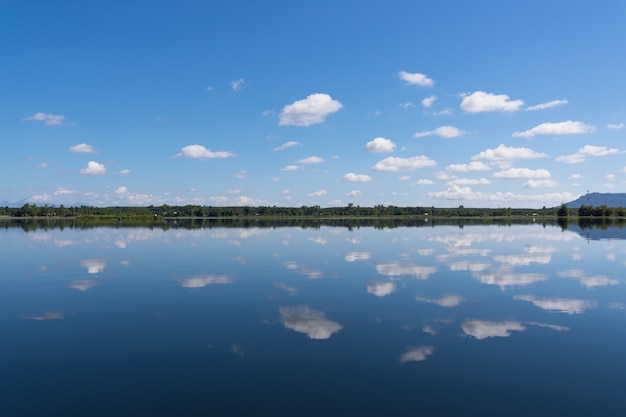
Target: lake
x,y
312,319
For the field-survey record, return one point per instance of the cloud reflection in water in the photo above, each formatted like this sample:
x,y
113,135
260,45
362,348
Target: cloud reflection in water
x,y
303,319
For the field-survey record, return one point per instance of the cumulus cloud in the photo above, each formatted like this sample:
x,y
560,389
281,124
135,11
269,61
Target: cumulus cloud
x,y
457,193
472,166
290,168
380,145
417,354
311,160
507,154
479,101
403,164
515,173
200,152
64,191
48,118
353,193
351,177
416,78
615,125
319,193
540,184
585,151
304,319
93,168
442,131
124,172
309,111
428,101
468,181
238,84
547,105
567,127
287,145
406,105
83,148
423,181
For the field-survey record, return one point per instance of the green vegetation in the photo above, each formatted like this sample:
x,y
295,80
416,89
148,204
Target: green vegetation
x,y
196,211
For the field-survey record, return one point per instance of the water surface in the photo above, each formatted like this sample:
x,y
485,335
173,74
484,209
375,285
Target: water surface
x,y
483,319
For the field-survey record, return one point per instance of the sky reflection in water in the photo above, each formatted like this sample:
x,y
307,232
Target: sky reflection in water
x,y
329,320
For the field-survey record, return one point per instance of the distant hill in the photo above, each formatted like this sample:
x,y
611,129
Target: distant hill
x,y
599,199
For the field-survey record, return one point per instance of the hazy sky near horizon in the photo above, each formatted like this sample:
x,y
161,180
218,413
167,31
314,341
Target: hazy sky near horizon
x,y
290,103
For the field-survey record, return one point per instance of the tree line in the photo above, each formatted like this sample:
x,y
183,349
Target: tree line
x,y
198,211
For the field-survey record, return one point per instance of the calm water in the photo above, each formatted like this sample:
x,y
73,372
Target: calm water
x,y
481,320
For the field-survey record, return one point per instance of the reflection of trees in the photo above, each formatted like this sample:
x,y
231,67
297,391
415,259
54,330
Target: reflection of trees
x,y
33,224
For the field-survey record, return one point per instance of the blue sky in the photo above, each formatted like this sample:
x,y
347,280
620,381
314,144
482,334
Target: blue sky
x,y
291,103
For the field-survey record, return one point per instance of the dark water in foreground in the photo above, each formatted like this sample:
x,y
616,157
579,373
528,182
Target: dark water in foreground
x,y
483,320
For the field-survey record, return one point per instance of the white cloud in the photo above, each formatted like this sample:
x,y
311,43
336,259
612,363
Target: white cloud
x,y
311,160
515,173
417,354
423,182
303,319
42,198
506,154
200,152
585,151
309,111
351,177
483,329
472,166
615,126
64,191
416,78
83,148
121,191
93,168
457,193
237,85
547,105
592,150
442,131
479,101
380,145
540,183
319,193
124,172
354,193
240,174
468,181
406,105
403,164
381,289
567,127
290,168
429,101
47,118
43,165
287,145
